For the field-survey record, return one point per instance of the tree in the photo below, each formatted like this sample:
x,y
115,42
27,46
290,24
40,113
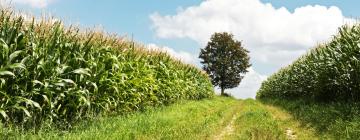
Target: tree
x,y
225,60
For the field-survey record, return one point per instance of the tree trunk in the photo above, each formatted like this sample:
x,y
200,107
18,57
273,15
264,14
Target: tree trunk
x,y
222,91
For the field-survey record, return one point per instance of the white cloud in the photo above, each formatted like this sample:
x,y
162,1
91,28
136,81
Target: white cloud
x,y
181,55
274,37
259,25
32,3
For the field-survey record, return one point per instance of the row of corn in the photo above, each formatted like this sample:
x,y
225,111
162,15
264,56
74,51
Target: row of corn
x,y
329,72
51,73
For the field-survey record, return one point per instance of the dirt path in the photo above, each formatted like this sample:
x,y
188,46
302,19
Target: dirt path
x,y
259,121
290,134
228,130
292,129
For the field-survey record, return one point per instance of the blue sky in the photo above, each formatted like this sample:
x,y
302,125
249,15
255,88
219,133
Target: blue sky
x,y
275,36
131,17
124,17
350,8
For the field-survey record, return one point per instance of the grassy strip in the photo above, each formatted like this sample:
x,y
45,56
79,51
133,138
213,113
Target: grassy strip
x,y
255,122
290,125
263,122
330,120
205,119
184,120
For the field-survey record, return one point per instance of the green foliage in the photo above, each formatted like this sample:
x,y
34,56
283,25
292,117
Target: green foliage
x,y
224,59
50,73
329,72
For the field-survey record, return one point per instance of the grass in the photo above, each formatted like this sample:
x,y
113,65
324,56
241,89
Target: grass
x,y
254,122
257,121
288,122
186,119
334,120
217,118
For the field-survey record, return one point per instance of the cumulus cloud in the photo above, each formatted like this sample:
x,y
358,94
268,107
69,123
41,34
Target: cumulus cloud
x,y
32,3
260,26
180,55
274,36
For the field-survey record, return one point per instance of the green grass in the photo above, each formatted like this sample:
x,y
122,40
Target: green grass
x,y
186,119
257,121
334,120
204,119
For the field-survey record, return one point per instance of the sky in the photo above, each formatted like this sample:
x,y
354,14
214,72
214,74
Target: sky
x,y
276,32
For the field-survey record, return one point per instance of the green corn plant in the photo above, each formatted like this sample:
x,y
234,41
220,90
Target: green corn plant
x,y
329,72
50,73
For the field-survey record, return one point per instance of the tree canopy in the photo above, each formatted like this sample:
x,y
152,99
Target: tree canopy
x,y
225,60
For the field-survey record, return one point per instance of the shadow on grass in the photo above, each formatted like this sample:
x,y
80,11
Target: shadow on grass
x,y
338,120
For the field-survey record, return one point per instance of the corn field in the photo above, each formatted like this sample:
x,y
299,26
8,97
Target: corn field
x,y
53,73
329,72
